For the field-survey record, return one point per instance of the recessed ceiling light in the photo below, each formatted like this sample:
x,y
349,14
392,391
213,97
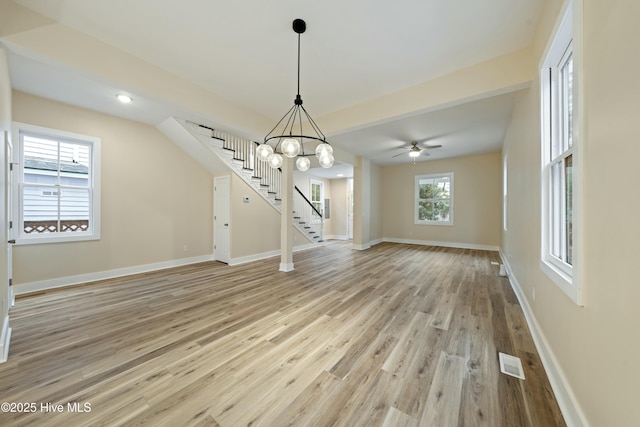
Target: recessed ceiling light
x,y
125,99
340,174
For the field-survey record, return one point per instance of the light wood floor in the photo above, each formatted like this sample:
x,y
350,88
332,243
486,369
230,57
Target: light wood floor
x,y
396,335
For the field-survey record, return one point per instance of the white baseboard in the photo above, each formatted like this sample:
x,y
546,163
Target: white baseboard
x,y
254,257
571,411
336,237
5,339
270,254
376,242
44,285
442,244
365,246
286,266
362,247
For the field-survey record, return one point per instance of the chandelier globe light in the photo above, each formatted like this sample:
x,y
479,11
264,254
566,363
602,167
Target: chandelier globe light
x,y
303,164
290,147
275,160
263,151
288,138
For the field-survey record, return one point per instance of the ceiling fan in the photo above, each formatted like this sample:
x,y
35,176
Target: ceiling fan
x,y
416,151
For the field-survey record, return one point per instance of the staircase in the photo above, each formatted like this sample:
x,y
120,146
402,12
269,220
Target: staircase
x,y
239,154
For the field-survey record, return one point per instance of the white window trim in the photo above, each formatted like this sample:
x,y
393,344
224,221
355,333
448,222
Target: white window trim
x,y
505,194
565,276
417,199
94,220
313,182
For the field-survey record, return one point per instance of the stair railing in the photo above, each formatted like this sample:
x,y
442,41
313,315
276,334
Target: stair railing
x,y
244,150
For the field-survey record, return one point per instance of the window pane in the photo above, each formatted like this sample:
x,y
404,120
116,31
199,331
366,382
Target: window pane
x,y
425,211
566,108
568,179
74,164
556,220
40,160
74,210
441,210
40,209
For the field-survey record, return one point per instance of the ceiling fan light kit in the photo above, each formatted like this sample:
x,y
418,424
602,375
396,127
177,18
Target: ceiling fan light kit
x,y
288,135
415,151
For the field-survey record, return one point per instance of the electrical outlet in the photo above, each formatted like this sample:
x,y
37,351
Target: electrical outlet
x,y
186,248
533,293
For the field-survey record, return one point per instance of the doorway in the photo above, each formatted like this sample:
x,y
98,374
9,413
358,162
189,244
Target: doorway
x,y
221,216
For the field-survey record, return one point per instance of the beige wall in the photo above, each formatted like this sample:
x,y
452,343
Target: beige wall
x,y
155,199
339,208
477,212
595,346
255,226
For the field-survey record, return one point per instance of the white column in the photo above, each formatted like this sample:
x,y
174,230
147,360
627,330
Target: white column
x,y
286,216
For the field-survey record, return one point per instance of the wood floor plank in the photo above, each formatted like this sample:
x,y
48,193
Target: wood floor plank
x,y
480,405
443,402
396,335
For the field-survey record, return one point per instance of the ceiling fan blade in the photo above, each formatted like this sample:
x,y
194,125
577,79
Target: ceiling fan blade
x,y
433,146
398,155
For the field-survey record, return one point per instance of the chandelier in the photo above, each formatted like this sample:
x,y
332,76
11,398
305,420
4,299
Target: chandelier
x,y
287,135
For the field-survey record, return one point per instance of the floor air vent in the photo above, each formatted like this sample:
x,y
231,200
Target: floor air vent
x,y
511,365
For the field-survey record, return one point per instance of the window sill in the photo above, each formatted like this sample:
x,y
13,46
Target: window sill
x,y
433,223
563,280
56,239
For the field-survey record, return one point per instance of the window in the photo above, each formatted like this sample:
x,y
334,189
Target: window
x,y
56,186
558,164
434,199
316,198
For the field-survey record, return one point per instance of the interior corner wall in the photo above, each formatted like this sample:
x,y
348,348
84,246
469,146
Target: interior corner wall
x,y
476,204
155,199
593,348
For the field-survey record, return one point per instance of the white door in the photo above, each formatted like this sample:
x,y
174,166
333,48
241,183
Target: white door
x,y
221,225
10,230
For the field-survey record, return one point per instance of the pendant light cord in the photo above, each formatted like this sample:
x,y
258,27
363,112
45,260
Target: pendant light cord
x,y
298,64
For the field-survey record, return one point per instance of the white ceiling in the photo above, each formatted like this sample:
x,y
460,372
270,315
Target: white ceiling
x,y
352,51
